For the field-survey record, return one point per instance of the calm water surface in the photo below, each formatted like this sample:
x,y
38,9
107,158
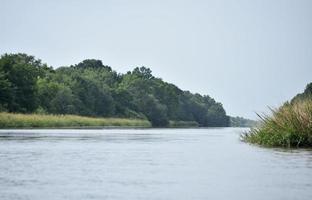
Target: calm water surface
x,y
130,164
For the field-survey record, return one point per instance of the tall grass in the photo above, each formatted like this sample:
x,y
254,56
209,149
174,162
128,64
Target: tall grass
x,y
12,120
289,126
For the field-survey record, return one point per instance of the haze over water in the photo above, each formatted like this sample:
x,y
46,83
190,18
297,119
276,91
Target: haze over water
x,y
151,164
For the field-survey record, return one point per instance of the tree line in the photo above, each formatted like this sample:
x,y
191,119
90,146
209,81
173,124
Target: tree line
x,y
90,88
242,122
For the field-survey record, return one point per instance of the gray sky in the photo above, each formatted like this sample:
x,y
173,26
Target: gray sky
x,y
246,54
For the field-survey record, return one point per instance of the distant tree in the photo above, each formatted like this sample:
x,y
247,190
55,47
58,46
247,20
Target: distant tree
x,y
24,88
64,102
47,91
307,93
168,94
155,112
216,116
92,63
123,101
5,91
242,122
308,89
21,72
95,100
143,72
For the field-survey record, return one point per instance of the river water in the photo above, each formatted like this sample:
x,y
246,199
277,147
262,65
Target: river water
x,y
148,164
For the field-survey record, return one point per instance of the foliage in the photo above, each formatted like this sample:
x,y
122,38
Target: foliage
x,y
93,89
18,77
289,126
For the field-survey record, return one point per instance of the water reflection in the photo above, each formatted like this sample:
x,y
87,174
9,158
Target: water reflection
x,y
148,164
95,135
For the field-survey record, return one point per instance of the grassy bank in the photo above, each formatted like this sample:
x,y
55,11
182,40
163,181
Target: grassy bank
x,y
10,120
289,126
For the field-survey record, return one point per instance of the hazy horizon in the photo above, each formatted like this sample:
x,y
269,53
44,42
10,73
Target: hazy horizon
x,y
246,55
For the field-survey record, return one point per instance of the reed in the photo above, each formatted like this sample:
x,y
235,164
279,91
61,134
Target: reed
x,y
288,126
14,120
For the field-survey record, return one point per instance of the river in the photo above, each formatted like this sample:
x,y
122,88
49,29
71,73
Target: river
x,y
148,164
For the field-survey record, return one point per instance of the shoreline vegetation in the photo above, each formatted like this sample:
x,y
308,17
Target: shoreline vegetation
x,y
15,120
92,89
242,122
93,94
288,126
18,120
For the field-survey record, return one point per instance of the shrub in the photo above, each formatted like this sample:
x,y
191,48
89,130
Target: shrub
x,y
289,126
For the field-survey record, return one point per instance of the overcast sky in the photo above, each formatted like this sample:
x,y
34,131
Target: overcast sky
x,y
245,54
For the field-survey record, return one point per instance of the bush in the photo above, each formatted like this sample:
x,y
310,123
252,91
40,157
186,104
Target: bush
x,y
289,126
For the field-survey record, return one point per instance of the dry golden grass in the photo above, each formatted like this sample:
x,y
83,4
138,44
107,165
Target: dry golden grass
x,y
12,120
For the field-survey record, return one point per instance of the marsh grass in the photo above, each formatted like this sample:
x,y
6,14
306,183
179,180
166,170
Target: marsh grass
x,y
288,126
13,120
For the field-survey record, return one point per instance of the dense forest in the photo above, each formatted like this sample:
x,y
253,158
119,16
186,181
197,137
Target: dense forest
x,y
90,88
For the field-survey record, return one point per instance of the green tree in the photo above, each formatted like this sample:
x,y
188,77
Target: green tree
x,y
154,111
64,102
5,91
20,72
47,90
95,100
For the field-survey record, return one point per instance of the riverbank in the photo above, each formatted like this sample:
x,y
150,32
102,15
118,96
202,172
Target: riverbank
x,y
17,120
289,126
13,120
